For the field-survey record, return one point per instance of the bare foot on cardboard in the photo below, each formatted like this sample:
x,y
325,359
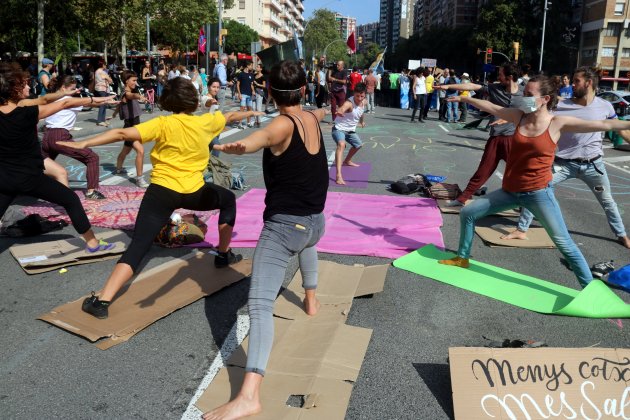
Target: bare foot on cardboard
x,y
311,306
623,240
516,234
350,163
238,408
340,181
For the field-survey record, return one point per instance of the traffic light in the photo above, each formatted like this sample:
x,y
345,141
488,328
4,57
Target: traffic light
x,y
516,46
488,55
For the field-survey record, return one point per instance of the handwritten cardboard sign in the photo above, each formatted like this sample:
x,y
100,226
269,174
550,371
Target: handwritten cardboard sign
x,y
544,383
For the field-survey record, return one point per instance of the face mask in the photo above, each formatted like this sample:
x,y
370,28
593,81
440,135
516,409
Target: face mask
x,y
526,104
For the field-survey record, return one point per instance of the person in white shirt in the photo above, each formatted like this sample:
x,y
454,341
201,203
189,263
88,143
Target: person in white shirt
x,y
419,89
349,115
58,128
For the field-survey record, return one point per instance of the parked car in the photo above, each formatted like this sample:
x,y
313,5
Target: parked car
x,y
620,100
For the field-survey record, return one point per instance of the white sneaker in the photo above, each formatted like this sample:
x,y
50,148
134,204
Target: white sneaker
x,y
140,182
454,203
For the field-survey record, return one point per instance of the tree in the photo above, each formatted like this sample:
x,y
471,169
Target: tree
x,y
321,32
499,25
239,37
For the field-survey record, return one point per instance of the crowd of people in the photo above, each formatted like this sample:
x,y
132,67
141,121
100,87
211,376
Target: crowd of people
x,y
543,135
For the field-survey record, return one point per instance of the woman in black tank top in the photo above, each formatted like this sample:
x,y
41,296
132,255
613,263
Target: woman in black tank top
x,y
295,170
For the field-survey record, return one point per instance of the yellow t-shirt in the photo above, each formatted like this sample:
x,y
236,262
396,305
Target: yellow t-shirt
x,y
429,82
181,149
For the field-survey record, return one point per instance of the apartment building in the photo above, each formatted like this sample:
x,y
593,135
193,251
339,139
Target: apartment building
x,y
368,32
605,39
346,25
396,22
274,20
444,13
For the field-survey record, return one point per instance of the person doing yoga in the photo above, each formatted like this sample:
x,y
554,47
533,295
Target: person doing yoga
x,y
295,171
21,160
179,157
528,178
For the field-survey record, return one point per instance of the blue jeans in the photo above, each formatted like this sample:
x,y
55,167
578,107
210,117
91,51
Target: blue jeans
x,y
451,111
282,237
598,183
101,109
546,209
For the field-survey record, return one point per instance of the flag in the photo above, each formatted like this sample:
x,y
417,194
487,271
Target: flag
x,y
202,41
351,43
378,65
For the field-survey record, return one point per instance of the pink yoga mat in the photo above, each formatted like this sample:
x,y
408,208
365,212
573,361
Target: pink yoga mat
x,y
354,177
356,224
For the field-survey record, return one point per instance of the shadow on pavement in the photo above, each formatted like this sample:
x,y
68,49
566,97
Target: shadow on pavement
x,y
437,378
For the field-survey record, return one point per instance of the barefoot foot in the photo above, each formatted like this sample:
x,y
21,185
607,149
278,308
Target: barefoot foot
x,y
456,261
237,408
340,181
311,306
516,234
350,163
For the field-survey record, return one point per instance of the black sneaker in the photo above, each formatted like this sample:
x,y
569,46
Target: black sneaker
x,y
95,307
602,269
226,258
95,195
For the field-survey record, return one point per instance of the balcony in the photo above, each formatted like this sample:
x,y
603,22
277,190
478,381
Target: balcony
x,y
285,29
273,18
300,6
275,4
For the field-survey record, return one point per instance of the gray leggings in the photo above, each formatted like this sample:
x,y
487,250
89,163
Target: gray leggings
x,y
282,237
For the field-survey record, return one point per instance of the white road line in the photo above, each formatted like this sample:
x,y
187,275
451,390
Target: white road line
x,y
617,159
499,174
232,341
442,127
117,179
617,167
331,159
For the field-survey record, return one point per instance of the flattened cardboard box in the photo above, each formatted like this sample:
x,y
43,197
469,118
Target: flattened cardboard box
x,y
540,383
491,235
317,357
48,256
153,295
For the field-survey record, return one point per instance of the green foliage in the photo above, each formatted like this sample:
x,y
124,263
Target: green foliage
x,y
177,22
321,31
239,37
499,24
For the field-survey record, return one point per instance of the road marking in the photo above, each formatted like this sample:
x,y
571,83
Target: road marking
x,y
617,167
117,179
442,127
499,174
617,159
232,341
331,159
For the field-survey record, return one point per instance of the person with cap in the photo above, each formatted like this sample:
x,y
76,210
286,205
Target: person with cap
x,y
45,76
463,107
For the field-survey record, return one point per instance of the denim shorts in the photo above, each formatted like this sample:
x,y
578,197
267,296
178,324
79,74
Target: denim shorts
x,y
350,137
246,100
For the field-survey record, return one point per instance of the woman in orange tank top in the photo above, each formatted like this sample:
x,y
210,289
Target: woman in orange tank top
x,y
528,169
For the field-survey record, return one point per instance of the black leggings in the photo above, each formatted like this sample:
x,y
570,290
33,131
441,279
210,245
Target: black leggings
x,y
46,188
160,202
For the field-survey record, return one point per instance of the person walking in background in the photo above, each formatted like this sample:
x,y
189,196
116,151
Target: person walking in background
x,y
442,104
101,88
220,72
162,78
260,88
419,89
45,76
130,112
452,106
353,79
58,128
463,107
245,92
430,82
204,81
370,88
321,89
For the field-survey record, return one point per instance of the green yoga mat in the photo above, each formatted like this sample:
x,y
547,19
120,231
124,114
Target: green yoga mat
x,y
595,301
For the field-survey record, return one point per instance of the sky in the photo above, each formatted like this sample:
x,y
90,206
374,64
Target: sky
x,y
366,11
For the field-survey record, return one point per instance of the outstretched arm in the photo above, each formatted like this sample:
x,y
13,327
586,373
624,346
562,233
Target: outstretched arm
x,y
274,134
53,108
460,86
110,136
347,106
577,125
235,116
47,98
512,115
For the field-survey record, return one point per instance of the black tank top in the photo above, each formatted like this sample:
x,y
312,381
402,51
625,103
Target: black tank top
x,y
296,180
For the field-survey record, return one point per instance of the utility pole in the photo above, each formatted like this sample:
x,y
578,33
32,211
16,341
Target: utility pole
x,y
220,27
542,42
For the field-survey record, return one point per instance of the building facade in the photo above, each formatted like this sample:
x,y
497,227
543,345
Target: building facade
x,y
395,22
368,33
444,13
605,39
346,25
274,20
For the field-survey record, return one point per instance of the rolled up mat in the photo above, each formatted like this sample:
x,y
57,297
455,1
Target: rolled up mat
x,y
595,301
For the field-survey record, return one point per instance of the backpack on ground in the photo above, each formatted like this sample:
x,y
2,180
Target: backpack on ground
x,y
219,172
33,225
184,230
444,191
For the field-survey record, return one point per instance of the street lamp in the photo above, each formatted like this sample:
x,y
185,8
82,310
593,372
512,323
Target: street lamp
x,y
330,43
542,42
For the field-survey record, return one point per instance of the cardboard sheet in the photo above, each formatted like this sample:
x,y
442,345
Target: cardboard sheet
x,y
317,357
540,383
455,210
491,235
48,256
153,295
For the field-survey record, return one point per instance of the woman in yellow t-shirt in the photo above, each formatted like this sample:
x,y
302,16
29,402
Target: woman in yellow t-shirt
x,y
179,157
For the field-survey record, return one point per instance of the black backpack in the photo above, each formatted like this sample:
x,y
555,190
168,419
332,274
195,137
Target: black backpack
x,y
33,225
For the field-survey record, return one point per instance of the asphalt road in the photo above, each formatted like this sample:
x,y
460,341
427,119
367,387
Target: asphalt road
x,y
46,372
